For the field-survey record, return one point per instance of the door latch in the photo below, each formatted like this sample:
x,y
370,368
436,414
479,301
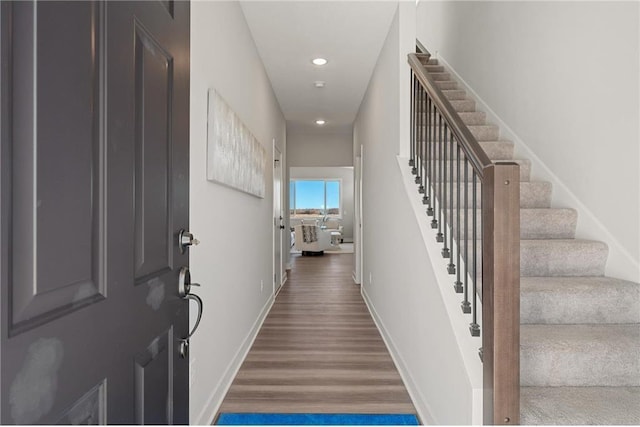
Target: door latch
x,y
186,239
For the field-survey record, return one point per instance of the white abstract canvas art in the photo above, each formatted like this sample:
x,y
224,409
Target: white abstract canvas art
x,y
235,158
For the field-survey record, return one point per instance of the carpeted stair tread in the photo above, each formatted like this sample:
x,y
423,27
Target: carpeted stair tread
x,y
580,405
580,355
562,257
578,300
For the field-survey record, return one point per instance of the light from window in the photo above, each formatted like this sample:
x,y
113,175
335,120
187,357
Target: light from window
x,y
314,198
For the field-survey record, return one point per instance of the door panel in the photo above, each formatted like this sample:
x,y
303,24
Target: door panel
x,y
94,150
54,203
153,71
154,376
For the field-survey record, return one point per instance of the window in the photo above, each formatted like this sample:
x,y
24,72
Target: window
x,y
314,197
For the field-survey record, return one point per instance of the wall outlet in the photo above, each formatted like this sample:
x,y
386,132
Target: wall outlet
x,y
261,285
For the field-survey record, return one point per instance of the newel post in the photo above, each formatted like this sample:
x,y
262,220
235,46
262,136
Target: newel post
x,y
501,293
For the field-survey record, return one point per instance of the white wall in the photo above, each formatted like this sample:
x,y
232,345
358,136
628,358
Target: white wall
x,y
564,77
319,149
234,228
345,175
398,280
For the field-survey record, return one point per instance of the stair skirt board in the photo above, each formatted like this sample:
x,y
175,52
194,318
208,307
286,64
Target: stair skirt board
x,y
580,335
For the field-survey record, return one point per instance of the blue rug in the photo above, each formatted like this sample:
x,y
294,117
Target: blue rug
x,y
249,419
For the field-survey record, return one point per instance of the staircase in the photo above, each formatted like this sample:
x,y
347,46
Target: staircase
x,y
580,330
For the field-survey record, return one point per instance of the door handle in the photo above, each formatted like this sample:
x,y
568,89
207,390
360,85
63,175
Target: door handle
x,y
282,227
184,290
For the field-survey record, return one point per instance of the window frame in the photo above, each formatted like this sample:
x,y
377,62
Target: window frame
x,y
292,197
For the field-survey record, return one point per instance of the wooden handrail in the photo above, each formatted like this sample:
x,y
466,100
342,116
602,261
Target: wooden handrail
x,y
500,236
476,155
421,49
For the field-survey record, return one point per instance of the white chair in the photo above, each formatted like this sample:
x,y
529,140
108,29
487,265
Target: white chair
x,y
312,247
334,224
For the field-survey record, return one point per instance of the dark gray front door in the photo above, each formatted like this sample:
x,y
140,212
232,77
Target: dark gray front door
x,y
93,190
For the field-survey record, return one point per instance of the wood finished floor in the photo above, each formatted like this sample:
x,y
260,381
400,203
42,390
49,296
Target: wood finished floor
x,y
318,350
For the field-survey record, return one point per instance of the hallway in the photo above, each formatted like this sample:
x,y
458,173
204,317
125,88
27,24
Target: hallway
x,y
318,350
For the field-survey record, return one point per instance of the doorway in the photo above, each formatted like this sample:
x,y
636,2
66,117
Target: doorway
x,y
278,219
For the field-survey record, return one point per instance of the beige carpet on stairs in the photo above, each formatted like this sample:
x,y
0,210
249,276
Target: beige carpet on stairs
x,y
580,333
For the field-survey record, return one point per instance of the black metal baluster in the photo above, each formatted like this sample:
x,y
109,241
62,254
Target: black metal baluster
x,y
458,284
422,145
413,123
418,179
466,306
439,237
434,161
425,174
445,144
451,268
474,327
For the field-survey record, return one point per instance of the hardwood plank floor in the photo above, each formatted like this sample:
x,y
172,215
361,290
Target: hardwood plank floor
x,y
318,350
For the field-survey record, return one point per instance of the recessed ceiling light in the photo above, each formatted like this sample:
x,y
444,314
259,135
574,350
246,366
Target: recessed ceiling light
x,y
319,84
320,122
319,61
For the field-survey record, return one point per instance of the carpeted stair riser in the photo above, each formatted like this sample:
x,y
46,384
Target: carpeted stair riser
x,y
446,84
576,300
560,257
435,68
548,223
495,150
580,355
454,94
580,405
468,118
534,223
464,105
440,76
533,194
480,132
452,168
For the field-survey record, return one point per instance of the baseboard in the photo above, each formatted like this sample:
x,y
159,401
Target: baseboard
x,y
422,407
208,413
620,262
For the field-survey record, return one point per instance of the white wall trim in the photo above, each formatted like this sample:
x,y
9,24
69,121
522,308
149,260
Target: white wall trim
x,y
208,413
419,402
620,263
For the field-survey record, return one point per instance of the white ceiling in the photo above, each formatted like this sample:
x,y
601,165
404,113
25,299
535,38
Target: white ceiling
x,y
289,34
